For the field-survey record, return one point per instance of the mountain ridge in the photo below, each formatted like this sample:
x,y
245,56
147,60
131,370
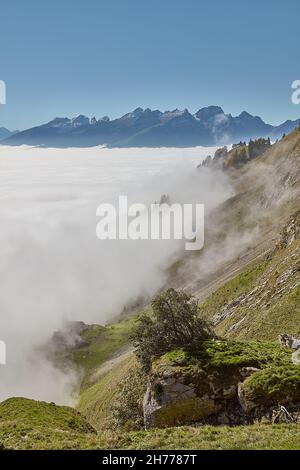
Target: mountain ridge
x,y
151,128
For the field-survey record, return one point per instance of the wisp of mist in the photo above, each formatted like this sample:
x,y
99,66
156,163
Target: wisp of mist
x,y
53,267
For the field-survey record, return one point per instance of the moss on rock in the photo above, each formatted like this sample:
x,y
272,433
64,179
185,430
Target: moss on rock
x,y
189,385
273,385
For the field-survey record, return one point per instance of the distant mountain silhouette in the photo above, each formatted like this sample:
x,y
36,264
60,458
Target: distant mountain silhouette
x,y
147,128
5,133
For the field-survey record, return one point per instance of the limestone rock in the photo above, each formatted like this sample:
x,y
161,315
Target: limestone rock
x,y
174,404
246,404
176,398
289,341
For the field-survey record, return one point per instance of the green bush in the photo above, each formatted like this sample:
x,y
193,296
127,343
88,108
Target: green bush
x,y
174,322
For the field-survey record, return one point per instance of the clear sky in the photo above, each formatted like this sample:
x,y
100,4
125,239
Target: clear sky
x,y
98,57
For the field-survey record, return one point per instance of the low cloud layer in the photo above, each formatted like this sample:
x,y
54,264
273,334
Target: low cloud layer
x,y
53,268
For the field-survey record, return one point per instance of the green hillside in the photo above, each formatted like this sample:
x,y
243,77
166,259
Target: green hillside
x,y
28,424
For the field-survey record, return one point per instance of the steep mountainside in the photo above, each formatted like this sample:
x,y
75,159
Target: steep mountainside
x,y
247,227
263,301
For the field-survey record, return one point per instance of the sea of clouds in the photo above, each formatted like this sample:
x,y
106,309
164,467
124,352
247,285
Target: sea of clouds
x,y
53,267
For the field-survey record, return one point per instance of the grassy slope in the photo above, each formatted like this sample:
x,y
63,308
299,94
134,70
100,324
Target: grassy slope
x,y
102,343
272,196
105,359
30,424
213,438
242,283
262,318
96,400
27,424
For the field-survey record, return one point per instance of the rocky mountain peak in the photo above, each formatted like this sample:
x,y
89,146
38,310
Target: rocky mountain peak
x,y
80,120
209,112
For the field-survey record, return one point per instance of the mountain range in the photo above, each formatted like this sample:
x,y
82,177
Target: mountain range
x,y
150,128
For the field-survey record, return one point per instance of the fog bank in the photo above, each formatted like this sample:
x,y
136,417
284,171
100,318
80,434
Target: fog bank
x,y
53,268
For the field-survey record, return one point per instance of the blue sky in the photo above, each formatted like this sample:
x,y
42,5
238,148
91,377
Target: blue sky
x,y
98,57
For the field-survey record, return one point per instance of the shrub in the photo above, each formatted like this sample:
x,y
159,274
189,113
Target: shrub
x,y
127,409
174,322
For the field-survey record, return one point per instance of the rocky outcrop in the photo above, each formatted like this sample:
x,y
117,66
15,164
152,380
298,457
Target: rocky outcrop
x,y
289,341
290,232
170,401
174,398
213,387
